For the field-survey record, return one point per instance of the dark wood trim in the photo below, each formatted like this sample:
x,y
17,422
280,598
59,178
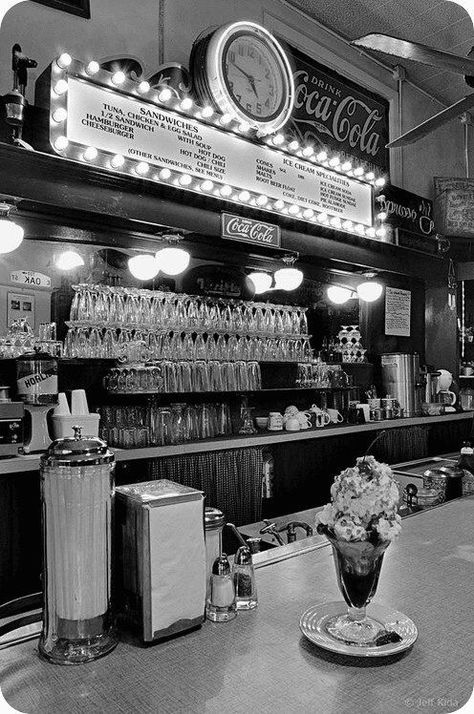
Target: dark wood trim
x,y
74,7
93,201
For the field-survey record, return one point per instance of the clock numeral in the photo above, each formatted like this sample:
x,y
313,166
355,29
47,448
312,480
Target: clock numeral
x,y
267,74
271,90
231,85
267,102
232,56
240,50
248,107
259,108
251,52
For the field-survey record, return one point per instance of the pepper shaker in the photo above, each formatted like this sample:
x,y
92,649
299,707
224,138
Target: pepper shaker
x,y
221,606
244,580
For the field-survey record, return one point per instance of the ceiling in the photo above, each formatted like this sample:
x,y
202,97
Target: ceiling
x,y
441,24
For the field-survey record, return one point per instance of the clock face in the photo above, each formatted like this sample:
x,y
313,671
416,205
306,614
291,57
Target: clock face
x,y
254,77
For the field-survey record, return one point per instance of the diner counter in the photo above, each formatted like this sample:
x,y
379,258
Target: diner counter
x,y
31,462
260,661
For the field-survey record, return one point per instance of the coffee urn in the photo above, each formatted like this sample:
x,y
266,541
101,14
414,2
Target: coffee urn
x,y
76,495
401,380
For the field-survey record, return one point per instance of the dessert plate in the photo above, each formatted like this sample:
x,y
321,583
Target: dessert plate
x,y
313,626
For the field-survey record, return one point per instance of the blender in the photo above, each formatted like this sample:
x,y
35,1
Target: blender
x,y
37,385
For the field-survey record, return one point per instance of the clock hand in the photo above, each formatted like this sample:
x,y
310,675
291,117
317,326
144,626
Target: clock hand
x,y
250,78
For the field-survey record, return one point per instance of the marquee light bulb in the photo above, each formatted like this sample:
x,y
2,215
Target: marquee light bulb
x,y
279,205
172,261
322,218
308,150
339,295
244,127
11,235
348,225
90,154
380,181
358,171
370,232
165,174
322,156
346,166
64,60
369,291
288,278
68,260
165,95
143,266
207,112
207,185
359,228
278,139
370,176
293,145
336,222
381,232
61,143
142,168
186,104
144,87
92,68
226,190
244,196
118,77
117,161
61,87
59,115
335,161
225,119
294,209
382,216
185,180
262,282
261,200
308,213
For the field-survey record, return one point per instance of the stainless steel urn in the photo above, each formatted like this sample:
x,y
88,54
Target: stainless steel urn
x,y
401,380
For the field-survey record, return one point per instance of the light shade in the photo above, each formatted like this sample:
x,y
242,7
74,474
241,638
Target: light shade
x,y
369,291
261,281
144,266
288,278
68,260
172,261
339,295
11,235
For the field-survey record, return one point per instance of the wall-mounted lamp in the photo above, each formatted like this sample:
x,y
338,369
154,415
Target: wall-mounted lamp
x,y
261,281
339,295
11,234
172,260
144,266
370,290
289,277
68,260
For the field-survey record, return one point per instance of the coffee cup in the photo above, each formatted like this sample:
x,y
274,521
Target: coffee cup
x,y
365,409
447,397
304,419
292,424
321,419
335,416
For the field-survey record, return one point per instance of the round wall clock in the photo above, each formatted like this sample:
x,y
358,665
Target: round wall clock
x,y
243,71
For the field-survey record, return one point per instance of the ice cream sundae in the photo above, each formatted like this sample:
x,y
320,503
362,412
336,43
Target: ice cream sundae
x,y
360,522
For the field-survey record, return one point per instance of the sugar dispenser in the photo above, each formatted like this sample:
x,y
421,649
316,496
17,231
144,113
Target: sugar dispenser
x,y
76,494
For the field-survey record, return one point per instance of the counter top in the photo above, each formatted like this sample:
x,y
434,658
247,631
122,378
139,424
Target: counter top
x,y
30,462
260,661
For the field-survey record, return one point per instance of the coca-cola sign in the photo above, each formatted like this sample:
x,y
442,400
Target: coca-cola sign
x,y
333,113
249,231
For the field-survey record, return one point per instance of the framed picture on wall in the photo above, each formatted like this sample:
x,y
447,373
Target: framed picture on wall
x,y
75,7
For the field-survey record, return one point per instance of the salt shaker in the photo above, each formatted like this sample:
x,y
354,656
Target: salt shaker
x,y
214,521
244,580
221,605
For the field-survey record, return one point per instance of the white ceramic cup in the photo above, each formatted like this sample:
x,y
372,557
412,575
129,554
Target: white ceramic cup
x,y
322,419
292,424
335,416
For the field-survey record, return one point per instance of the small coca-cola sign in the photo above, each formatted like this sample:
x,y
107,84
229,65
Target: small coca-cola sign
x,y
249,231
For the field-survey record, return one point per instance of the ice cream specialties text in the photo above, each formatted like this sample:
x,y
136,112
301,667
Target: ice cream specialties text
x,y
364,501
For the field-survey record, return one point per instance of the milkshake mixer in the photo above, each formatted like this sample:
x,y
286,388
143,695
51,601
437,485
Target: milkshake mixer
x,y
37,385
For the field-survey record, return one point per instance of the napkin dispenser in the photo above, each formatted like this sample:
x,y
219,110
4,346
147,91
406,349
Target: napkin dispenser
x,y
160,574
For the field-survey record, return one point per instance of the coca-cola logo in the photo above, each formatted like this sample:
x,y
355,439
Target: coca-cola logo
x,y
245,229
349,120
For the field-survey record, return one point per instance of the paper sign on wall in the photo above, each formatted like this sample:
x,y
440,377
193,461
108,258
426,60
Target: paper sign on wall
x,y
397,312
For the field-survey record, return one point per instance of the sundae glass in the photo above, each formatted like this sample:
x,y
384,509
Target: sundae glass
x,y
360,522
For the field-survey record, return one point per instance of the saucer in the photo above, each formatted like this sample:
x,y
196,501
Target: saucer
x,y
313,626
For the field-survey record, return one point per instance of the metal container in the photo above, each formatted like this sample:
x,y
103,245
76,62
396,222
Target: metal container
x,y
214,521
401,380
447,480
76,494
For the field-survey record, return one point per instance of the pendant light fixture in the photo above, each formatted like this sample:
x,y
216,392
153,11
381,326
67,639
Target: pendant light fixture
x,y
289,277
143,266
172,260
261,281
370,290
339,295
68,260
11,234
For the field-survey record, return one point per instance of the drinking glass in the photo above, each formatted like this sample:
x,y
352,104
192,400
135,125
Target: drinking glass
x,y
224,421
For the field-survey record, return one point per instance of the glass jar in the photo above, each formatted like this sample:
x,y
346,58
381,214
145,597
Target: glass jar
x,y
214,521
76,495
